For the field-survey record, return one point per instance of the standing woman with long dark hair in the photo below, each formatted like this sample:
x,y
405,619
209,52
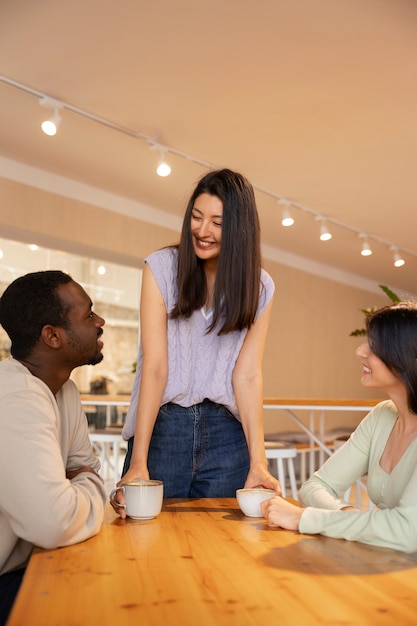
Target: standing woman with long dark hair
x,y
195,420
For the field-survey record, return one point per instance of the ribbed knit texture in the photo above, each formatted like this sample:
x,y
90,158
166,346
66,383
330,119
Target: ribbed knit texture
x,y
200,365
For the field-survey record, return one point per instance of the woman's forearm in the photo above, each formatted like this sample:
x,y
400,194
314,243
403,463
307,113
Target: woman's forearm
x,y
249,400
150,397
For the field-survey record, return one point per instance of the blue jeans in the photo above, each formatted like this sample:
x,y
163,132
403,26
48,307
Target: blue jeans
x,y
198,451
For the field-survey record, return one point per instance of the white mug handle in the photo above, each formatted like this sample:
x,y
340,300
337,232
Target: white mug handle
x,y
112,495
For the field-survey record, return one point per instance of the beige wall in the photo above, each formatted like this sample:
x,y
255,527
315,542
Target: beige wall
x,y
309,352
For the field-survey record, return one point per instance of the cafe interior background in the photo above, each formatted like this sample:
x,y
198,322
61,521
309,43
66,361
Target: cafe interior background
x,y
314,101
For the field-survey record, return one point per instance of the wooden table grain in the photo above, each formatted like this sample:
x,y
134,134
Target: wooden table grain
x,y
202,562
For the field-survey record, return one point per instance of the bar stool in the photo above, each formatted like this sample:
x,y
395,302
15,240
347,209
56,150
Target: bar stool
x,y
282,451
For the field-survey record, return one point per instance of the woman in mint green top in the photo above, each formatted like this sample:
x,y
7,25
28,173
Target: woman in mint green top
x,y
384,446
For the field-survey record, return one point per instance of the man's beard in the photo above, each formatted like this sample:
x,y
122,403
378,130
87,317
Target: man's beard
x,y
97,358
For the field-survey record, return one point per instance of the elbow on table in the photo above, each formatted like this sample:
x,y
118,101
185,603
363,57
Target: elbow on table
x,y
62,527
60,535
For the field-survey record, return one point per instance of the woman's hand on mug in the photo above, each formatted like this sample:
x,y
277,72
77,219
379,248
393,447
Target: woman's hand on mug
x,y
133,474
116,497
261,477
279,513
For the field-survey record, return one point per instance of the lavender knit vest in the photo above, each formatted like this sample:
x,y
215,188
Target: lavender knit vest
x,y
200,365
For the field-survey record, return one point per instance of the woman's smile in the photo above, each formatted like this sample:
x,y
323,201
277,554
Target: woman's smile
x,y
206,226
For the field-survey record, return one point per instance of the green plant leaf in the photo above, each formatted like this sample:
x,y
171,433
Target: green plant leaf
x,y
358,332
393,296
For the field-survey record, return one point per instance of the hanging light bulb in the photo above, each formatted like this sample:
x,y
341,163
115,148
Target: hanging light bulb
x,y
398,260
50,125
163,168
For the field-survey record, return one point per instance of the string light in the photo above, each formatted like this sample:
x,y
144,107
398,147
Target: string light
x,y
325,234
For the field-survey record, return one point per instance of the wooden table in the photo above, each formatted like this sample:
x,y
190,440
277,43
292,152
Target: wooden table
x,y
201,562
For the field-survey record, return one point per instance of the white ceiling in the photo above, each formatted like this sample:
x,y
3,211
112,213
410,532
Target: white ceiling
x,y
313,100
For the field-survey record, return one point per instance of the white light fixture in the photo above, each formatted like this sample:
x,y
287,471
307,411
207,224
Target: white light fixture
x,y
398,260
366,248
163,168
50,125
325,234
33,247
101,270
1,253
287,219
56,105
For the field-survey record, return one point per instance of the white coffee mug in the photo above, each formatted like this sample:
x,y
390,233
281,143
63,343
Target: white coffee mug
x,y
143,498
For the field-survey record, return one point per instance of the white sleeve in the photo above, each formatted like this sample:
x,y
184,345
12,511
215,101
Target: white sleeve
x,y
44,507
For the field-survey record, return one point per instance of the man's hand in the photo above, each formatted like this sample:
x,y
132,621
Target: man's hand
x,y
70,474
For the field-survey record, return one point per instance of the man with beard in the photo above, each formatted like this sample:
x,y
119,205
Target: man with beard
x,y
50,492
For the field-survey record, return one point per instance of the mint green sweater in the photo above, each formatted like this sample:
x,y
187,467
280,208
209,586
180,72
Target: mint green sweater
x,y
393,524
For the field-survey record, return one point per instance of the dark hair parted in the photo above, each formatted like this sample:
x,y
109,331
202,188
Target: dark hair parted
x,y
237,285
392,337
28,304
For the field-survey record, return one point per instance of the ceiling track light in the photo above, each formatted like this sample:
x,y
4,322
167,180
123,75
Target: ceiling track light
x,y
287,219
366,248
398,260
57,105
325,234
50,125
163,169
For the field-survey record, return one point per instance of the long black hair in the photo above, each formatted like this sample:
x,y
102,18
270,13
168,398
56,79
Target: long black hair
x,y
392,337
237,285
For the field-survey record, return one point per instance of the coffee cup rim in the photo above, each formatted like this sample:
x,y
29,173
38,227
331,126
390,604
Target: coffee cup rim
x,y
143,483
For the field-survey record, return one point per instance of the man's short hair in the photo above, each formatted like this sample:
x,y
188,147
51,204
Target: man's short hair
x,y
28,304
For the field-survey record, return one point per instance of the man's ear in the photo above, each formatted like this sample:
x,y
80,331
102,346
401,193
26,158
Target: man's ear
x,y
51,336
